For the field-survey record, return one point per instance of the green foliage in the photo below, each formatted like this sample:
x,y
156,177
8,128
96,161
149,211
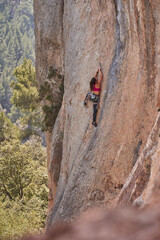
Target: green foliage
x,y
24,89
7,129
16,42
25,97
52,72
23,170
14,114
30,124
23,187
51,92
18,218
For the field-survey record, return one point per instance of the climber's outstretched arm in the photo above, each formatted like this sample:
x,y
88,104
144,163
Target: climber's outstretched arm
x,y
96,76
101,76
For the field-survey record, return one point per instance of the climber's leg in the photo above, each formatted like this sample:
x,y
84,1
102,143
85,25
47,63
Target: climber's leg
x,y
95,110
87,98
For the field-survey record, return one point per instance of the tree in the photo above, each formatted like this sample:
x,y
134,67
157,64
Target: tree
x,y
24,89
25,97
23,187
16,42
19,166
7,129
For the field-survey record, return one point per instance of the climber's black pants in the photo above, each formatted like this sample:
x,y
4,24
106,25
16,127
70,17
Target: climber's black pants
x,y
95,110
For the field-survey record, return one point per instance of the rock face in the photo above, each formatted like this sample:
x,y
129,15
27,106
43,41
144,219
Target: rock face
x,y
88,166
142,186
50,54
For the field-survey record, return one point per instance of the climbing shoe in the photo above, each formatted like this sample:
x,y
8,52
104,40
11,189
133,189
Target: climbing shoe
x,y
94,124
85,104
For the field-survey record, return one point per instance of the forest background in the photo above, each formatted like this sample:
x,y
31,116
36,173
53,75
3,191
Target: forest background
x,y
23,171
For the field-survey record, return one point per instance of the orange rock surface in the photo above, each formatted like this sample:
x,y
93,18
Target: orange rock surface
x,y
88,166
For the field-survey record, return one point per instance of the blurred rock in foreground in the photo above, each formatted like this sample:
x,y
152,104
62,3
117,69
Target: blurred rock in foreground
x,y
121,224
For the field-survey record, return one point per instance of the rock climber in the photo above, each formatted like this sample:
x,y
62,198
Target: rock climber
x,y
94,95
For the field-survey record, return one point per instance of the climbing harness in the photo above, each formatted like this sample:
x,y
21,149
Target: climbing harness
x,y
92,97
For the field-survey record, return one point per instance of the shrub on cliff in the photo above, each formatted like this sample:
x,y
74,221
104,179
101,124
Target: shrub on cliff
x,y
51,93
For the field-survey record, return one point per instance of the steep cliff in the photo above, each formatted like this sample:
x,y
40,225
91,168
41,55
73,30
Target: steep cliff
x,y
88,166
50,55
